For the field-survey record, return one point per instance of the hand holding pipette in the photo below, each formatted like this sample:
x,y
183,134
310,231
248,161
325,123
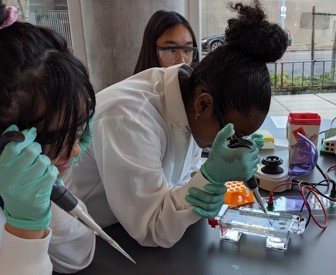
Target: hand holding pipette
x,y
59,194
252,182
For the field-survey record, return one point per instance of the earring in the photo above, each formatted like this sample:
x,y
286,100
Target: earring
x,y
197,115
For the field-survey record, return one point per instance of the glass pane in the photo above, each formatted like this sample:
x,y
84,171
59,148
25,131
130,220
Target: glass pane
x,y
293,15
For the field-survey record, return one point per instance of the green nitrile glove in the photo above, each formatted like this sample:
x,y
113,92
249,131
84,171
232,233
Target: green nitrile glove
x,y
26,180
207,203
85,140
258,139
225,163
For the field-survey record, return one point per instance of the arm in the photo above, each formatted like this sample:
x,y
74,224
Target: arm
x,y
31,255
25,234
26,181
129,157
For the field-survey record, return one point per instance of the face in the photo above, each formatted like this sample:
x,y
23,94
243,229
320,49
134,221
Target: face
x,y
206,126
175,37
63,161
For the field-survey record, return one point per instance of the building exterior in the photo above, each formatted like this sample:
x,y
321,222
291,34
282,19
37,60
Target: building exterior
x,y
295,15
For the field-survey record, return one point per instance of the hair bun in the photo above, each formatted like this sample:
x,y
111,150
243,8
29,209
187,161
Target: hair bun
x,y
253,35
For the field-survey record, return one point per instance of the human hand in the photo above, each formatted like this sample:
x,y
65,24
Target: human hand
x,y
26,180
258,139
225,163
85,140
207,203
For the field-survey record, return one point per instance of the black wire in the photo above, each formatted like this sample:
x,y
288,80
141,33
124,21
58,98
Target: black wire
x,y
320,183
324,175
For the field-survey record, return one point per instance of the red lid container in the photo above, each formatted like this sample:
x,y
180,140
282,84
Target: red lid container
x,y
304,118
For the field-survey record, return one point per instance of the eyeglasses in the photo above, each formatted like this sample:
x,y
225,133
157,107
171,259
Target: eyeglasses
x,y
173,53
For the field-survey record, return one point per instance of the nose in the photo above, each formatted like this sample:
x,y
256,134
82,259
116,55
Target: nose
x,y
76,150
181,57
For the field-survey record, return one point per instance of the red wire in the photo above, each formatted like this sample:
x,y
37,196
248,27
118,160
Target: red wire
x,y
282,184
307,206
305,201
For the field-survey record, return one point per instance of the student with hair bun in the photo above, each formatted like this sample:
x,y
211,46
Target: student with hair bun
x,y
149,130
46,105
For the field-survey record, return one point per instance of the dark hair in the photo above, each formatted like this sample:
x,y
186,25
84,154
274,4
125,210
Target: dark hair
x,y
236,72
159,22
42,83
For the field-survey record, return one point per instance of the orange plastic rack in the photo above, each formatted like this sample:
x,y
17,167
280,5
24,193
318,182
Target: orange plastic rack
x,y
237,194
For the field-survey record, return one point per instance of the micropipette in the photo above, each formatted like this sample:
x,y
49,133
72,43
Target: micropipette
x,y
253,185
252,182
64,199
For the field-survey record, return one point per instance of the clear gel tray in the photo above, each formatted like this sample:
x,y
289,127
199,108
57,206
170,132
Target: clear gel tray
x,y
234,222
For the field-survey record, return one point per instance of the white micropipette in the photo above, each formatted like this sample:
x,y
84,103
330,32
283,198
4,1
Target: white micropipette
x,y
63,198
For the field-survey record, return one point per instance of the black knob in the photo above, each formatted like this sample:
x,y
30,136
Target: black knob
x,y
272,165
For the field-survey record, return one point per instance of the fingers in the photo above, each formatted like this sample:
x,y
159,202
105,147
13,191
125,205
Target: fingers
x,y
49,178
28,156
203,198
223,135
14,148
207,214
259,143
39,167
11,128
215,188
205,206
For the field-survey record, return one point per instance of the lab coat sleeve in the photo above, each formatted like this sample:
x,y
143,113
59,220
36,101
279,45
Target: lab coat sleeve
x,y
129,158
24,256
72,244
71,247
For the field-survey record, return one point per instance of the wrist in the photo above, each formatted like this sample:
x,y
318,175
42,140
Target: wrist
x,y
36,223
25,234
198,181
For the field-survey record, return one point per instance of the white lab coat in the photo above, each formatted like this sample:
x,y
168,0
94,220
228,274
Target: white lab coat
x,y
141,156
71,248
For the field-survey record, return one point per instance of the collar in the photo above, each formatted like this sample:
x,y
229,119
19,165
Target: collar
x,y
176,113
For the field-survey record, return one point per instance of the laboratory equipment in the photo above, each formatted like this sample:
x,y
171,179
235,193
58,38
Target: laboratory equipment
x,y
270,174
233,223
306,124
304,157
328,145
252,183
64,199
237,194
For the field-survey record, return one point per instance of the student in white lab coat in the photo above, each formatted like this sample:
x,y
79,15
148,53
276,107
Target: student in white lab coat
x,y
45,94
149,130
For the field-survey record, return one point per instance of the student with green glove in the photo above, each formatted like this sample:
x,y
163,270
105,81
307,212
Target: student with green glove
x,y
149,130
46,106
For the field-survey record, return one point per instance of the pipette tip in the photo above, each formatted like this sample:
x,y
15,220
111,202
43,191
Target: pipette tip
x,y
122,251
268,217
130,258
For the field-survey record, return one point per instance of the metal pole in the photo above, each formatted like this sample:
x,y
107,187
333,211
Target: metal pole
x,y
282,16
312,47
333,53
